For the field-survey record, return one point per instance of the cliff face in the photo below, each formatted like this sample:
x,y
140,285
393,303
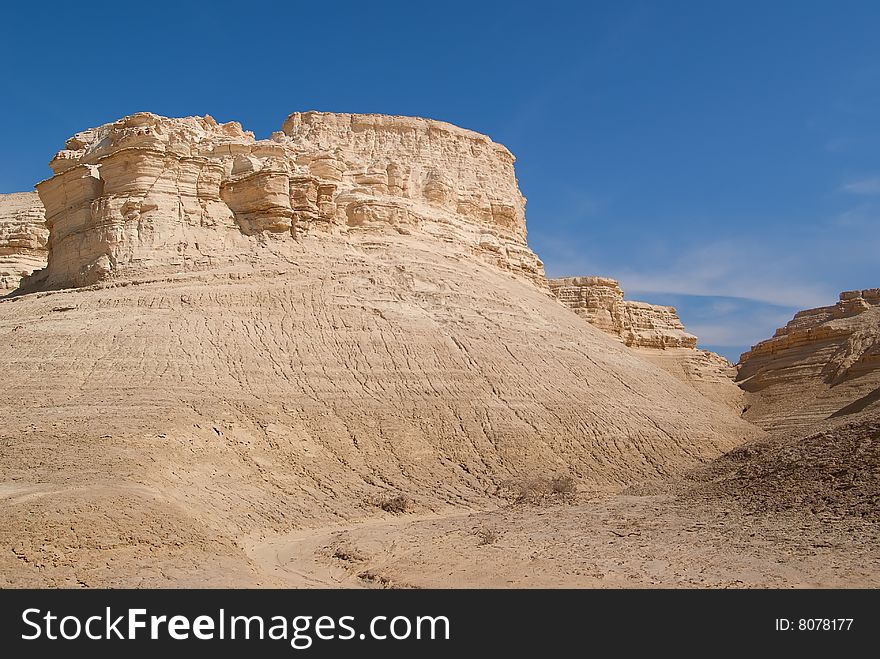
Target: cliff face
x,y
600,301
149,194
654,332
23,236
824,362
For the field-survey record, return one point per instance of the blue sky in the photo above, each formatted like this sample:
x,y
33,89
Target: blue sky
x,y
720,156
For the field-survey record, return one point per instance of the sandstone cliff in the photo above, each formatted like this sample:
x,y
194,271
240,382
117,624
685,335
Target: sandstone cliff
x,y
148,194
600,301
23,236
824,362
654,332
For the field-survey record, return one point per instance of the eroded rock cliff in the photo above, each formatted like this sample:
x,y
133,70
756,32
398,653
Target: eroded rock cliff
x,y
600,301
824,362
23,236
653,331
148,194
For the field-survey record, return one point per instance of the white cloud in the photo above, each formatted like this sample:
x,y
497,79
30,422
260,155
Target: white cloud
x,y
865,186
749,281
757,271
746,327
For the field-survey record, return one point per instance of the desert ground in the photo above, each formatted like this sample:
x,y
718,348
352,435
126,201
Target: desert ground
x,y
779,513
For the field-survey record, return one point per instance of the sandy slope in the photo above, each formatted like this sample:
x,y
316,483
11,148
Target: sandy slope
x,y
151,431
787,511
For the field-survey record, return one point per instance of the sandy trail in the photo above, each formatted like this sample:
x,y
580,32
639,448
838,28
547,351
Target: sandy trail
x,y
609,542
317,558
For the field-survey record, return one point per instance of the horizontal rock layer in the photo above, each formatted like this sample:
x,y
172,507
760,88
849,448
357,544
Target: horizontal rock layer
x,y
23,236
149,194
600,301
824,362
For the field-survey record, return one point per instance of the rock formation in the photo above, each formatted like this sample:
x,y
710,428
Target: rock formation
x,y
707,372
148,194
824,362
655,332
285,333
23,236
599,301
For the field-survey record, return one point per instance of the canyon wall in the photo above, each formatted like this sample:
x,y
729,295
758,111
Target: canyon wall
x,y
825,362
23,236
149,194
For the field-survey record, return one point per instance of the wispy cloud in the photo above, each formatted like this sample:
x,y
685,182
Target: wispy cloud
x,y
838,144
865,186
756,271
863,216
751,278
746,327
726,325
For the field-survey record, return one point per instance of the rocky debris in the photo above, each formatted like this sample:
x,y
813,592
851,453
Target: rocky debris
x,y
23,236
150,194
824,362
600,301
830,470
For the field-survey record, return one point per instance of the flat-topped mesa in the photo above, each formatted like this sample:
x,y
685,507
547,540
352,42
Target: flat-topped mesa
x,y
154,194
600,301
825,361
23,236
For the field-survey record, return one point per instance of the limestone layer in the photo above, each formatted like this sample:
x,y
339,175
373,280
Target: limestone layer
x,y
23,236
152,194
600,301
824,362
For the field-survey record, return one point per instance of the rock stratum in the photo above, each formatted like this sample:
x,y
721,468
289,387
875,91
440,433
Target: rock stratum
x,y
150,194
600,301
23,236
238,338
655,332
824,363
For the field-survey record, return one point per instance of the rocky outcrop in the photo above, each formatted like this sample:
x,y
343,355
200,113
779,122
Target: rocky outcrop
x,y
23,236
825,362
655,332
149,194
599,301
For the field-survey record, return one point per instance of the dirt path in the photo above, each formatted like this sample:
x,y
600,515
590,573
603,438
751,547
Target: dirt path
x,y
612,542
327,557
